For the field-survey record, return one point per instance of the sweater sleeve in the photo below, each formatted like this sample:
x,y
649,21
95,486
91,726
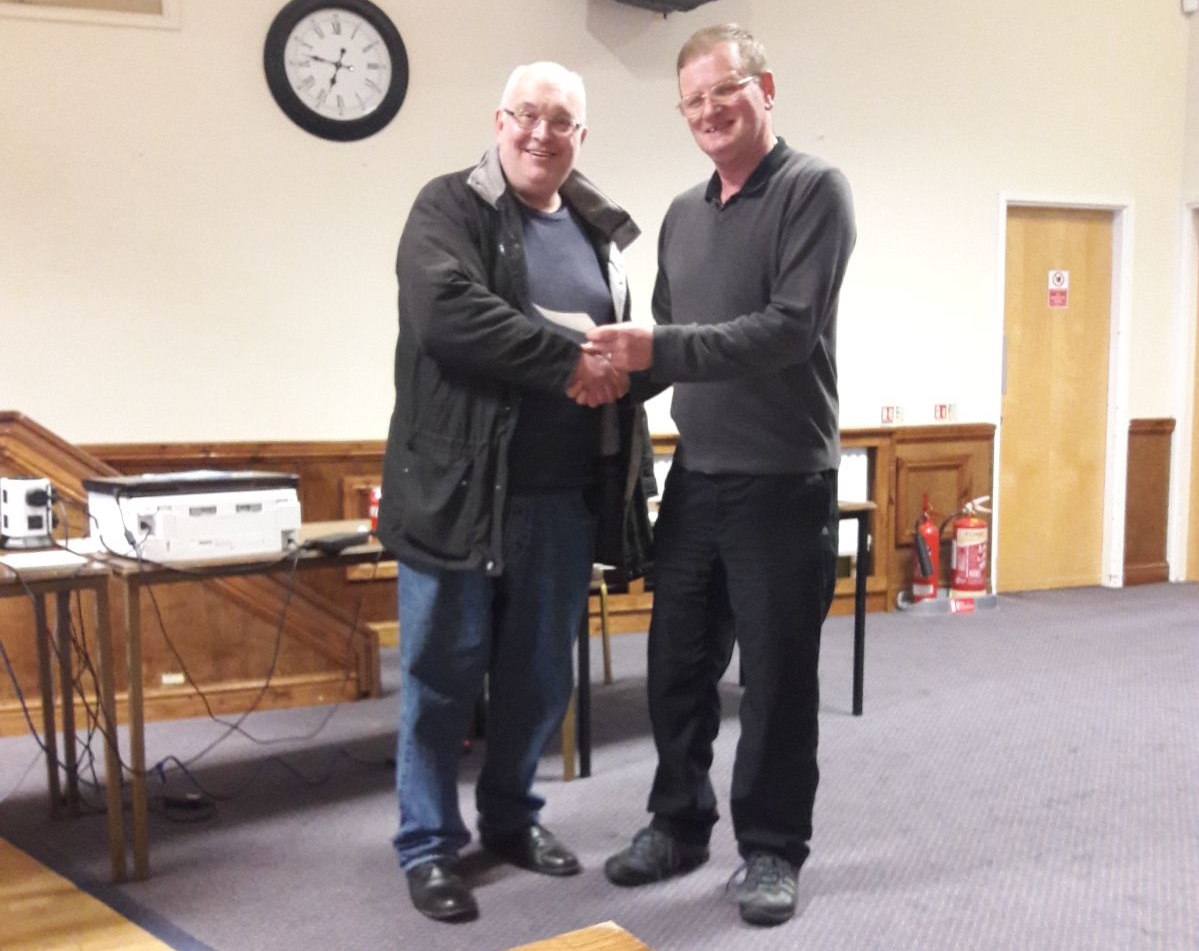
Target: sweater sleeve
x,y
816,235
448,301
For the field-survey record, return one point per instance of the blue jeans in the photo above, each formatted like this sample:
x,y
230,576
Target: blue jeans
x,y
518,630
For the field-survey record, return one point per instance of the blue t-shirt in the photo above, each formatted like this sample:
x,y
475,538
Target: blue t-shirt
x,y
556,441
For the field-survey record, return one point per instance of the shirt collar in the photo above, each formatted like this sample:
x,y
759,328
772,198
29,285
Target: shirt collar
x,y
757,179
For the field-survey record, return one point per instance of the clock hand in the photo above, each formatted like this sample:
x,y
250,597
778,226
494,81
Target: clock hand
x,y
338,67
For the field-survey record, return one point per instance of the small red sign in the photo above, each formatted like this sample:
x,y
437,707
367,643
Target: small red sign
x,y
1059,289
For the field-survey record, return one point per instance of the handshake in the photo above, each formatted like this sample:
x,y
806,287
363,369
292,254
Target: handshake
x,y
606,358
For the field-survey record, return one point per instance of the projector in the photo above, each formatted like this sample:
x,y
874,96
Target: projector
x,y
25,513
198,515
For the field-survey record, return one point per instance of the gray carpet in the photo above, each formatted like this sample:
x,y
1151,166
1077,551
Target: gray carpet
x,y
1023,778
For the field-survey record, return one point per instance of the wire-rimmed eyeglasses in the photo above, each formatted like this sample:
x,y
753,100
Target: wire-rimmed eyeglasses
x,y
558,125
719,95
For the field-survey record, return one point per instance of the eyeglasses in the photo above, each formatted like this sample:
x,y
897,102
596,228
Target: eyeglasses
x,y
719,95
558,125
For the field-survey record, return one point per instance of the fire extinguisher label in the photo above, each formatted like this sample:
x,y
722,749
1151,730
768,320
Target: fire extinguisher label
x,y
969,560
969,574
968,538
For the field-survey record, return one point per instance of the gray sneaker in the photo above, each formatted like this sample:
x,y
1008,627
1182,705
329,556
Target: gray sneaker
x,y
652,857
768,893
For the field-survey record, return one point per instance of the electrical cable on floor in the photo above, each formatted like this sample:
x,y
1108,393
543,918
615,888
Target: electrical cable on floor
x,y
162,769
200,804
12,675
37,756
91,718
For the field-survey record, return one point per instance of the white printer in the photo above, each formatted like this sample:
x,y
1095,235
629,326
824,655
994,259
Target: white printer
x,y
187,516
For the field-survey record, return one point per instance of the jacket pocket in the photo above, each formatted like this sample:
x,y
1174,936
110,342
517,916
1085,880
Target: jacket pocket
x,y
436,511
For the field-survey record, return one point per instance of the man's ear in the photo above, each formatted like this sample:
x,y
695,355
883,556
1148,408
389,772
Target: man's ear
x,y
766,81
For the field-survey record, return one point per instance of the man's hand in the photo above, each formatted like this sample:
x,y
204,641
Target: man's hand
x,y
596,381
628,346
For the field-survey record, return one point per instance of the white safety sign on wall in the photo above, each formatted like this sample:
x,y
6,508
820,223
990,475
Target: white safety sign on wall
x,y
1059,289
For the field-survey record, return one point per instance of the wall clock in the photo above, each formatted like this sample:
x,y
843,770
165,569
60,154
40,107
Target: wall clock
x,y
337,68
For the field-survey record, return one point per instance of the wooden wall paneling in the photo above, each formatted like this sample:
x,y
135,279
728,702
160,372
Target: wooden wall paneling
x,y
885,521
1147,501
383,603
323,643
224,630
628,610
17,627
335,477
265,655
23,698
28,449
945,480
879,444
355,503
253,661
953,464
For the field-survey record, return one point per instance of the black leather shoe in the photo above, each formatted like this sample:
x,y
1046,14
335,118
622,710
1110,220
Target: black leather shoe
x,y
653,856
533,848
439,893
768,894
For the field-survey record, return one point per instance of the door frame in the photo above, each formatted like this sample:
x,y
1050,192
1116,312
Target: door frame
x,y
1186,338
1119,353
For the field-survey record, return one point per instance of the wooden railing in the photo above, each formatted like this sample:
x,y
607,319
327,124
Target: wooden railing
x,y
220,633
224,629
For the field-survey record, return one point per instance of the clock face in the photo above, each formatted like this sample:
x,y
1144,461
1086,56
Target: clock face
x,y
338,64
337,68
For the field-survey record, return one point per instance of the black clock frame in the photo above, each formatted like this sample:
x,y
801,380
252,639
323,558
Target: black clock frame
x,y
338,130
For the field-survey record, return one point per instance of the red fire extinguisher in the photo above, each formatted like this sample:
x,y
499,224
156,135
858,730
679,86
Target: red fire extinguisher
x,y
968,565
927,555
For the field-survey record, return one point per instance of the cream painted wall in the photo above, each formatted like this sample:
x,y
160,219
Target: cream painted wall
x,y
1191,162
179,262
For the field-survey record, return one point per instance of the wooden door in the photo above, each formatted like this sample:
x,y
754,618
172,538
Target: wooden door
x,y
1053,429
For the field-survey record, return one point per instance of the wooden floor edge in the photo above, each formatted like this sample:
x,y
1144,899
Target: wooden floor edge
x,y
605,936
39,909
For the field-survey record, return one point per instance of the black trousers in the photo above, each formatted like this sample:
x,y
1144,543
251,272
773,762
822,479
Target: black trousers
x,y
751,559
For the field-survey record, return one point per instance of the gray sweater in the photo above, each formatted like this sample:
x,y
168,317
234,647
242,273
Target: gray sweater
x,y
746,303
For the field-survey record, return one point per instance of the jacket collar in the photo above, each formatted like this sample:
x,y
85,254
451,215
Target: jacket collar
x,y
487,181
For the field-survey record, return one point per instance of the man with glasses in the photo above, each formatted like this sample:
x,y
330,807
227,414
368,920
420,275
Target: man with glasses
x,y
749,270
509,470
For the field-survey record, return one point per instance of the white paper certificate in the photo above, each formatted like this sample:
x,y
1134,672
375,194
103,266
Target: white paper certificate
x,y
578,322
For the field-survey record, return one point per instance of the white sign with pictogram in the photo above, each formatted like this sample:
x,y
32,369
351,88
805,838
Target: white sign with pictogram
x,y
1059,289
